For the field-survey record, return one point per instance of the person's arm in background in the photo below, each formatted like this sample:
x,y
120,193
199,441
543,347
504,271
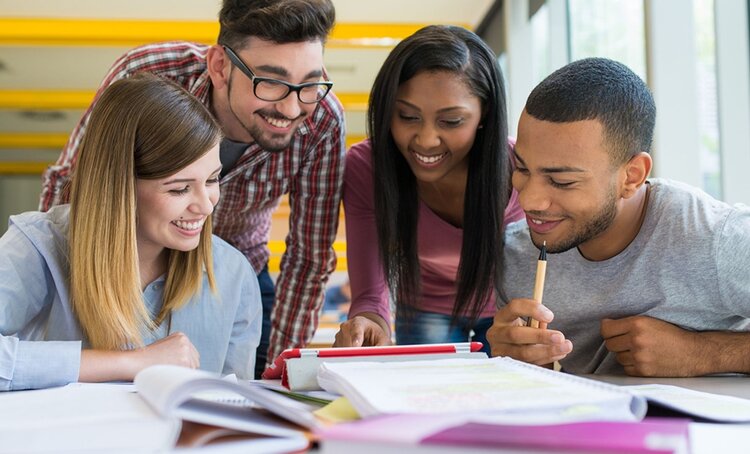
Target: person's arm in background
x,y
184,63
369,314
57,176
314,199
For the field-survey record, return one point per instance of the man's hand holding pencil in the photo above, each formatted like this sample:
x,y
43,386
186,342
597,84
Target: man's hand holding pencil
x,y
519,329
509,335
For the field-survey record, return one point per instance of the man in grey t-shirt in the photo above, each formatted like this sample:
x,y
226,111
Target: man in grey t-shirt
x,y
644,276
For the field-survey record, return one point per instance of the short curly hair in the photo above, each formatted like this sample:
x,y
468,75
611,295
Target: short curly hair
x,y
279,21
604,90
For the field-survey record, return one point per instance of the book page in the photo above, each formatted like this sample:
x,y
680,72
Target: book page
x,y
108,417
196,435
714,407
501,387
204,397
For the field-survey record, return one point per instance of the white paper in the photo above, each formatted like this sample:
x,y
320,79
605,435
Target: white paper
x,y
498,386
714,407
82,418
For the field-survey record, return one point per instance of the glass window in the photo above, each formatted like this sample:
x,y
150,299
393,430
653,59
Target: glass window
x,y
608,28
540,64
705,44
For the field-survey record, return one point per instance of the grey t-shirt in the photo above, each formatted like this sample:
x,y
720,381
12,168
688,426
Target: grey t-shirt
x,y
689,265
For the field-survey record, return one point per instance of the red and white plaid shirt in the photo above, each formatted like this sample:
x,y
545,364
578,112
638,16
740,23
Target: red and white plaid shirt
x,y
311,171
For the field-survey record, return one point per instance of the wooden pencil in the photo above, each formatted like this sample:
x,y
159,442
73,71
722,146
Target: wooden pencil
x,y
541,272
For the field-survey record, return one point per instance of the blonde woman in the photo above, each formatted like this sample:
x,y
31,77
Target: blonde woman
x,y
128,275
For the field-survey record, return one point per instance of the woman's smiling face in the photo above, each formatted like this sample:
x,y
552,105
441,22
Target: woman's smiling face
x,y
171,210
434,124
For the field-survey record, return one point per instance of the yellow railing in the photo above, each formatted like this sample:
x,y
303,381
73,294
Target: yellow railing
x,y
277,248
22,168
103,32
46,140
81,99
33,140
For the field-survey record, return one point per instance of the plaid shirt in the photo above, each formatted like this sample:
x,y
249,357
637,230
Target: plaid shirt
x,y
311,171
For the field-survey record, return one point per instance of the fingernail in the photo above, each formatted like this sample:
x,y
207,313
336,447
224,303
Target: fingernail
x,y
556,338
547,313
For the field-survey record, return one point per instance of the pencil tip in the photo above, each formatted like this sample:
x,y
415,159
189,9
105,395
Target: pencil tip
x,y
543,251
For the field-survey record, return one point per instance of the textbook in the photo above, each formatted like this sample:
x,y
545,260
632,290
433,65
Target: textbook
x,y
164,407
298,367
428,433
236,412
511,392
202,397
510,389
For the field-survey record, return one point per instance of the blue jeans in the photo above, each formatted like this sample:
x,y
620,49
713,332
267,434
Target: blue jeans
x,y
432,328
267,296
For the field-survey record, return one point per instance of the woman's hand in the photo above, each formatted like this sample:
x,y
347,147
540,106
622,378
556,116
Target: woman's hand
x,y
100,365
363,330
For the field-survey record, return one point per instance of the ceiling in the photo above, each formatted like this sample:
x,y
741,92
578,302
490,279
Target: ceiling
x,y
54,54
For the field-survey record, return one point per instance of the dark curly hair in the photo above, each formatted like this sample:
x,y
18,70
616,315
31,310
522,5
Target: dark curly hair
x,y
280,21
604,90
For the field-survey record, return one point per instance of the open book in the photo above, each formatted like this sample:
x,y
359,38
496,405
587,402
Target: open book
x,y
148,415
510,391
202,397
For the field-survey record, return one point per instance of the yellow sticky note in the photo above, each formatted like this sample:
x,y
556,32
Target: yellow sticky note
x,y
340,410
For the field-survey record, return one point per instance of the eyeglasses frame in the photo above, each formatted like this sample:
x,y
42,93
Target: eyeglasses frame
x,y
297,88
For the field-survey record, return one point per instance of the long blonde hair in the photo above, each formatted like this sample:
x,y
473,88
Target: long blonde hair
x,y
141,127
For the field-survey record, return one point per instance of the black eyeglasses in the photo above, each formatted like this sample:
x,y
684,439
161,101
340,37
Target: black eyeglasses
x,y
273,90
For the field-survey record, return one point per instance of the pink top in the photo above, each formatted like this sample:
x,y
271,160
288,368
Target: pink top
x,y
438,245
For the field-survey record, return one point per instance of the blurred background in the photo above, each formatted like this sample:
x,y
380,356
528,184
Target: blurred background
x,y
694,54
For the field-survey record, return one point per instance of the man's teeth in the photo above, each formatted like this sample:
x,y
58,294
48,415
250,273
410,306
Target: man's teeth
x,y
278,122
189,225
429,159
537,221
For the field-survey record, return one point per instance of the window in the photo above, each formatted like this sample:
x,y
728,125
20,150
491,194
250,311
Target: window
x,y
608,28
705,46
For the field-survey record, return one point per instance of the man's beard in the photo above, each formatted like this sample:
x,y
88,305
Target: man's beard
x,y
257,132
593,228
274,143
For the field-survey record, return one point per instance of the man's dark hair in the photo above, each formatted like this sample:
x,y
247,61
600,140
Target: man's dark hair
x,y
280,21
603,90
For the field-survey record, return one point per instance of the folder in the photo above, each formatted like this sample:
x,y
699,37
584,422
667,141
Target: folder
x,y
298,367
432,433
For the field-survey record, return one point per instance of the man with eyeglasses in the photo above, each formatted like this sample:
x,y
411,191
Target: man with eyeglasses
x,y
265,83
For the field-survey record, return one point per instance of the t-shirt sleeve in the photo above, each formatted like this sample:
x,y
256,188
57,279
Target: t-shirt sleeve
x,y
733,262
